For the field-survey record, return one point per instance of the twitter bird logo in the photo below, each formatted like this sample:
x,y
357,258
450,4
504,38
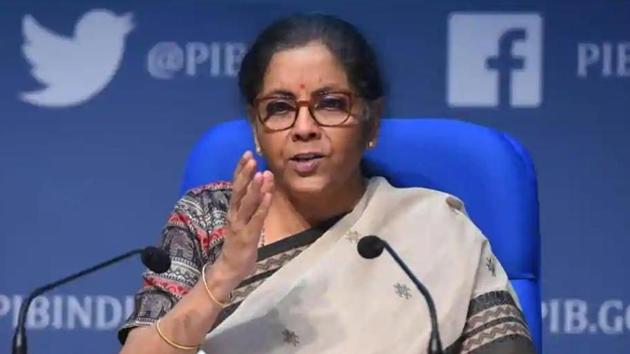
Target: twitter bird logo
x,y
74,69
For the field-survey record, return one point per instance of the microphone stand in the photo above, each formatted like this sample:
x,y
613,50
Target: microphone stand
x,y
435,345
19,339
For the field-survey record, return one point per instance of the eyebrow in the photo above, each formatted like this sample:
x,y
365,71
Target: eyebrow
x,y
325,89
288,94
280,92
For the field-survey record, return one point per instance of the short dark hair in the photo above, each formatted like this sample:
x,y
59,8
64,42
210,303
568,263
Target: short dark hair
x,y
343,40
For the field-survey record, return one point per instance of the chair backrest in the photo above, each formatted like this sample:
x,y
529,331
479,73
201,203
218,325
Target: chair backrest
x,y
490,171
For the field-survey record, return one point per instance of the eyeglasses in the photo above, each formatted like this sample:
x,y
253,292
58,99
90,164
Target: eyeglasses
x,y
328,109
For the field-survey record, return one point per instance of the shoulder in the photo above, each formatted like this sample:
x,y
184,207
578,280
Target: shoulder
x,y
210,187
419,196
203,211
441,214
452,220
204,206
215,195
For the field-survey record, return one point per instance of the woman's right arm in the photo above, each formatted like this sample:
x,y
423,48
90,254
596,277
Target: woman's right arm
x,y
194,315
189,320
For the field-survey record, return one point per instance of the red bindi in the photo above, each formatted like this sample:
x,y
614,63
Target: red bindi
x,y
302,86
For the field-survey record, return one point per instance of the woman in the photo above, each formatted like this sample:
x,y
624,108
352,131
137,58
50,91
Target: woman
x,y
268,263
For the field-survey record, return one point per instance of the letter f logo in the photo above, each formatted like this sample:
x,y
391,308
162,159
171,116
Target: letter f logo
x,y
494,60
505,63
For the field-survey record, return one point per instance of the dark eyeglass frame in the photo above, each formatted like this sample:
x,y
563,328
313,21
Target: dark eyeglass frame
x,y
308,104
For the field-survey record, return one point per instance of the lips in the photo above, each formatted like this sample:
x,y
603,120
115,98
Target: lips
x,y
306,156
305,164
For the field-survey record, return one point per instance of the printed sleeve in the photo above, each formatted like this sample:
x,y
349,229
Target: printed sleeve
x,y
186,238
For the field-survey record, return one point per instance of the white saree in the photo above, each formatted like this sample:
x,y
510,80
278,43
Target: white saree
x,y
331,300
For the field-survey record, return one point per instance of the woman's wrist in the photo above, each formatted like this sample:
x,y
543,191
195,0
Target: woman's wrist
x,y
221,279
196,313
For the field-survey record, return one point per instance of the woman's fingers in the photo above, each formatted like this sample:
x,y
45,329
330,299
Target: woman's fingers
x,y
241,163
249,204
251,199
247,220
258,218
241,181
260,188
268,183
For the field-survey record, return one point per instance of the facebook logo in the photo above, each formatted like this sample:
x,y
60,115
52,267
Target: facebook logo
x,y
494,60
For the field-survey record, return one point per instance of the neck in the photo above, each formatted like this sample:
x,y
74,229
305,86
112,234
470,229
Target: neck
x,y
293,212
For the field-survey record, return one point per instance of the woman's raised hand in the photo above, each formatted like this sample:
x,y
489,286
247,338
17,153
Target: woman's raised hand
x,y
249,204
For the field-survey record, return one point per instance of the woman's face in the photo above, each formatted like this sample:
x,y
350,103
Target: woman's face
x,y
309,158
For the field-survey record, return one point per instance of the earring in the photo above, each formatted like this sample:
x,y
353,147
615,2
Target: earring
x,y
258,150
371,144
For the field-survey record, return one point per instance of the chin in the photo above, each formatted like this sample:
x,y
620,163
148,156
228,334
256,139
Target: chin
x,y
308,185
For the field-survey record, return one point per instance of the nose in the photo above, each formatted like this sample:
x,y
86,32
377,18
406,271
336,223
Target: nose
x,y
305,127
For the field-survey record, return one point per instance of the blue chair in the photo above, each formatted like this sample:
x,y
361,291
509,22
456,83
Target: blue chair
x,y
487,169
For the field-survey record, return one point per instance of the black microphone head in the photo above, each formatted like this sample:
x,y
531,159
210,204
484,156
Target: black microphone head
x,y
370,246
156,259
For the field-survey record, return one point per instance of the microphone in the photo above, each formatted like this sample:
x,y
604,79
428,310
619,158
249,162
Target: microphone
x,y
153,258
371,247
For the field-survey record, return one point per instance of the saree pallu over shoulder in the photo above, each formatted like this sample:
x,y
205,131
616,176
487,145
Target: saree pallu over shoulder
x,y
331,300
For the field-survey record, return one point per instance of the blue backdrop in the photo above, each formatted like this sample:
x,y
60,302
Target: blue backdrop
x,y
101,101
